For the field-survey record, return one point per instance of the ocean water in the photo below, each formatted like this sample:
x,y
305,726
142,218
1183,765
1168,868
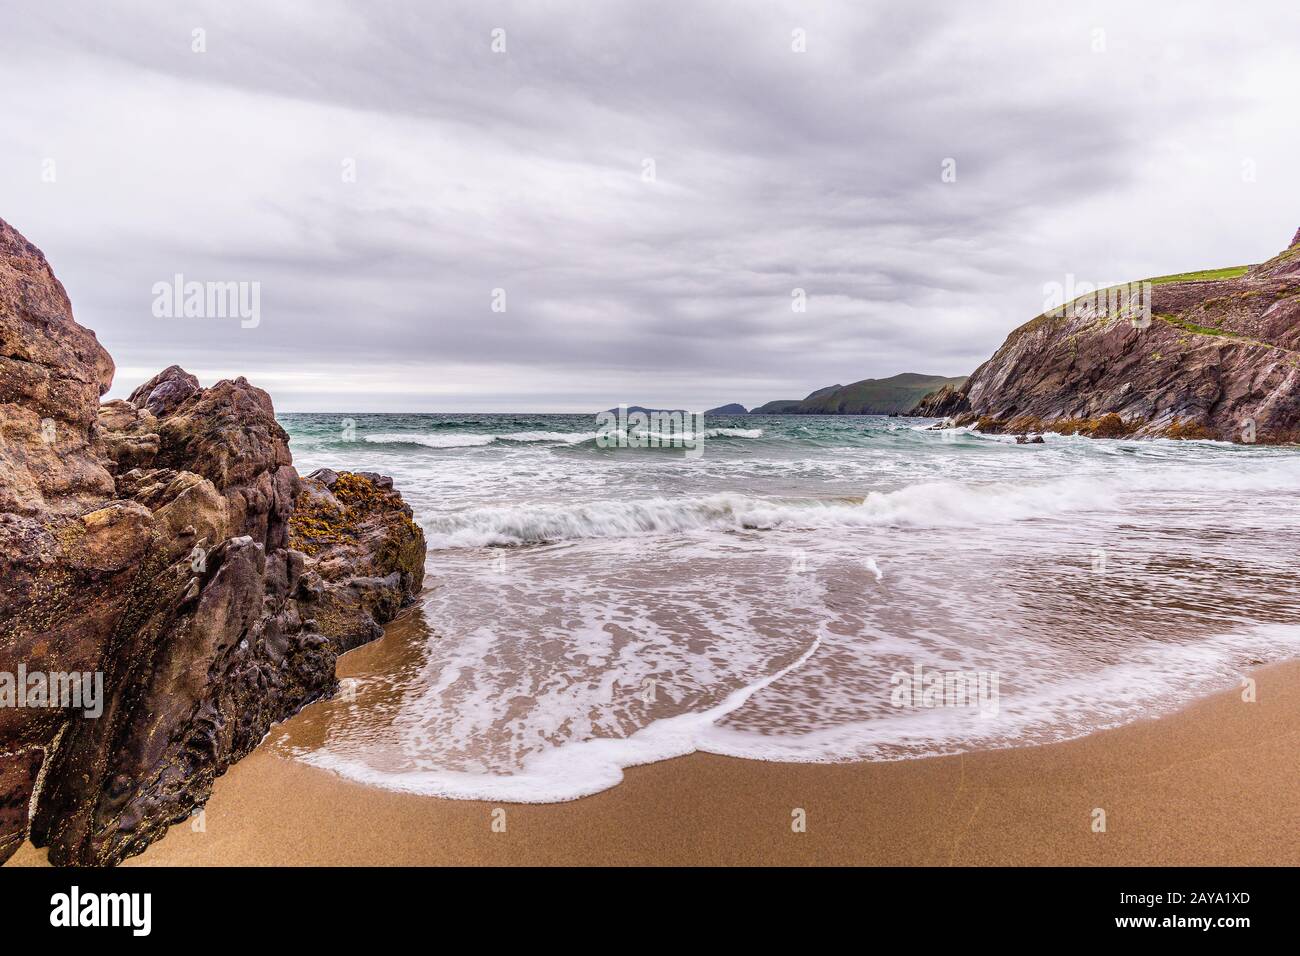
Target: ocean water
x,y
781,595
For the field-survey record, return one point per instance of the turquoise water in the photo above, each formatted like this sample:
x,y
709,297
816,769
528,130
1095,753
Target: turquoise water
x,y
588,608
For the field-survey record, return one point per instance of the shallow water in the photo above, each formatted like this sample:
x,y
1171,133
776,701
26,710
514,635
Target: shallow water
x,y
591,608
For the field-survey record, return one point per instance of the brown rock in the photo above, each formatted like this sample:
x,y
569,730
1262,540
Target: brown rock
x,y
173,578
165,391
362,543
66,548
1217,358
18,776
198,682
129,435
229,435
52,372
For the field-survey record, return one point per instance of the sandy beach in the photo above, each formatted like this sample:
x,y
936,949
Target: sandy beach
x,y
1215,783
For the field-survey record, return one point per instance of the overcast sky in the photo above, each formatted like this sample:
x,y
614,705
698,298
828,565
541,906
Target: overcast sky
x,y
1107,141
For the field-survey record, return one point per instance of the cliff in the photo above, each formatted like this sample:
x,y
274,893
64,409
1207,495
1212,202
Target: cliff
x,y
167,545
1197,355
871,396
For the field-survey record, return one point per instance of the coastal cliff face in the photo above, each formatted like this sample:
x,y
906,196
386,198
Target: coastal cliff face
x,y
1217,357
166,543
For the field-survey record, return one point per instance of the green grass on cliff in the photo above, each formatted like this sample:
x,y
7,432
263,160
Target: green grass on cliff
x,y
1200,329
1220,333
1206,275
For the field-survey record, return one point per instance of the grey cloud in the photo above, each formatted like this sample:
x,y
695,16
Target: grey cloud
x,y
522,171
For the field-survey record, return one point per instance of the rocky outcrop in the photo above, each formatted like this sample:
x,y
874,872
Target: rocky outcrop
x,y
366,552
158,542
165,392
1210,355
52,372
943,401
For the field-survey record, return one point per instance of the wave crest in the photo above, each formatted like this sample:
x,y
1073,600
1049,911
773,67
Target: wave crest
x,y
932,504
468,440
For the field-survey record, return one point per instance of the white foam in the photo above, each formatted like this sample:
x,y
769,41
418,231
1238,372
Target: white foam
x,y
931,504
1158,679
524,524
467,440
568,438
567,772
460,440
936,504
967,554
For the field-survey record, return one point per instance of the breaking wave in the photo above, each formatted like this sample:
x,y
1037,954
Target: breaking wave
x,y
468,440
940,504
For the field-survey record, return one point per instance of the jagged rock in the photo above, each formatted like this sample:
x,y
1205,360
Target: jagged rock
x,y
61,574
163,393
229,435
52,372
147,539
365,548
198,682
325,476
945,401
1217,358
378,480
129,435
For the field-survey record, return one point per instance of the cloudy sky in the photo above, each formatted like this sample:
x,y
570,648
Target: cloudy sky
x,y
647,182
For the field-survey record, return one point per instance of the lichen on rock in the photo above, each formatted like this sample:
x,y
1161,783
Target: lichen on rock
x,y
365,547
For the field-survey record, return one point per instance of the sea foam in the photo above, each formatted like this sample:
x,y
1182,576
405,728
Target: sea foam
x,y
929,504
470,440
768,589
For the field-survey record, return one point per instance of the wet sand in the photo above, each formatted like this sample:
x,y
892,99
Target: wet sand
x,y
1216,783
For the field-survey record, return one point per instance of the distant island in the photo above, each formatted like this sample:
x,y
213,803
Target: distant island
x,y
895,395
635,409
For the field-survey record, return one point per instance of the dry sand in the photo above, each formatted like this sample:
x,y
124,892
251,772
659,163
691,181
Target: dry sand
x,y
1216,783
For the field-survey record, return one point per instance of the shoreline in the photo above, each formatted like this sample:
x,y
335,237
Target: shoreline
x,y
1214,783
